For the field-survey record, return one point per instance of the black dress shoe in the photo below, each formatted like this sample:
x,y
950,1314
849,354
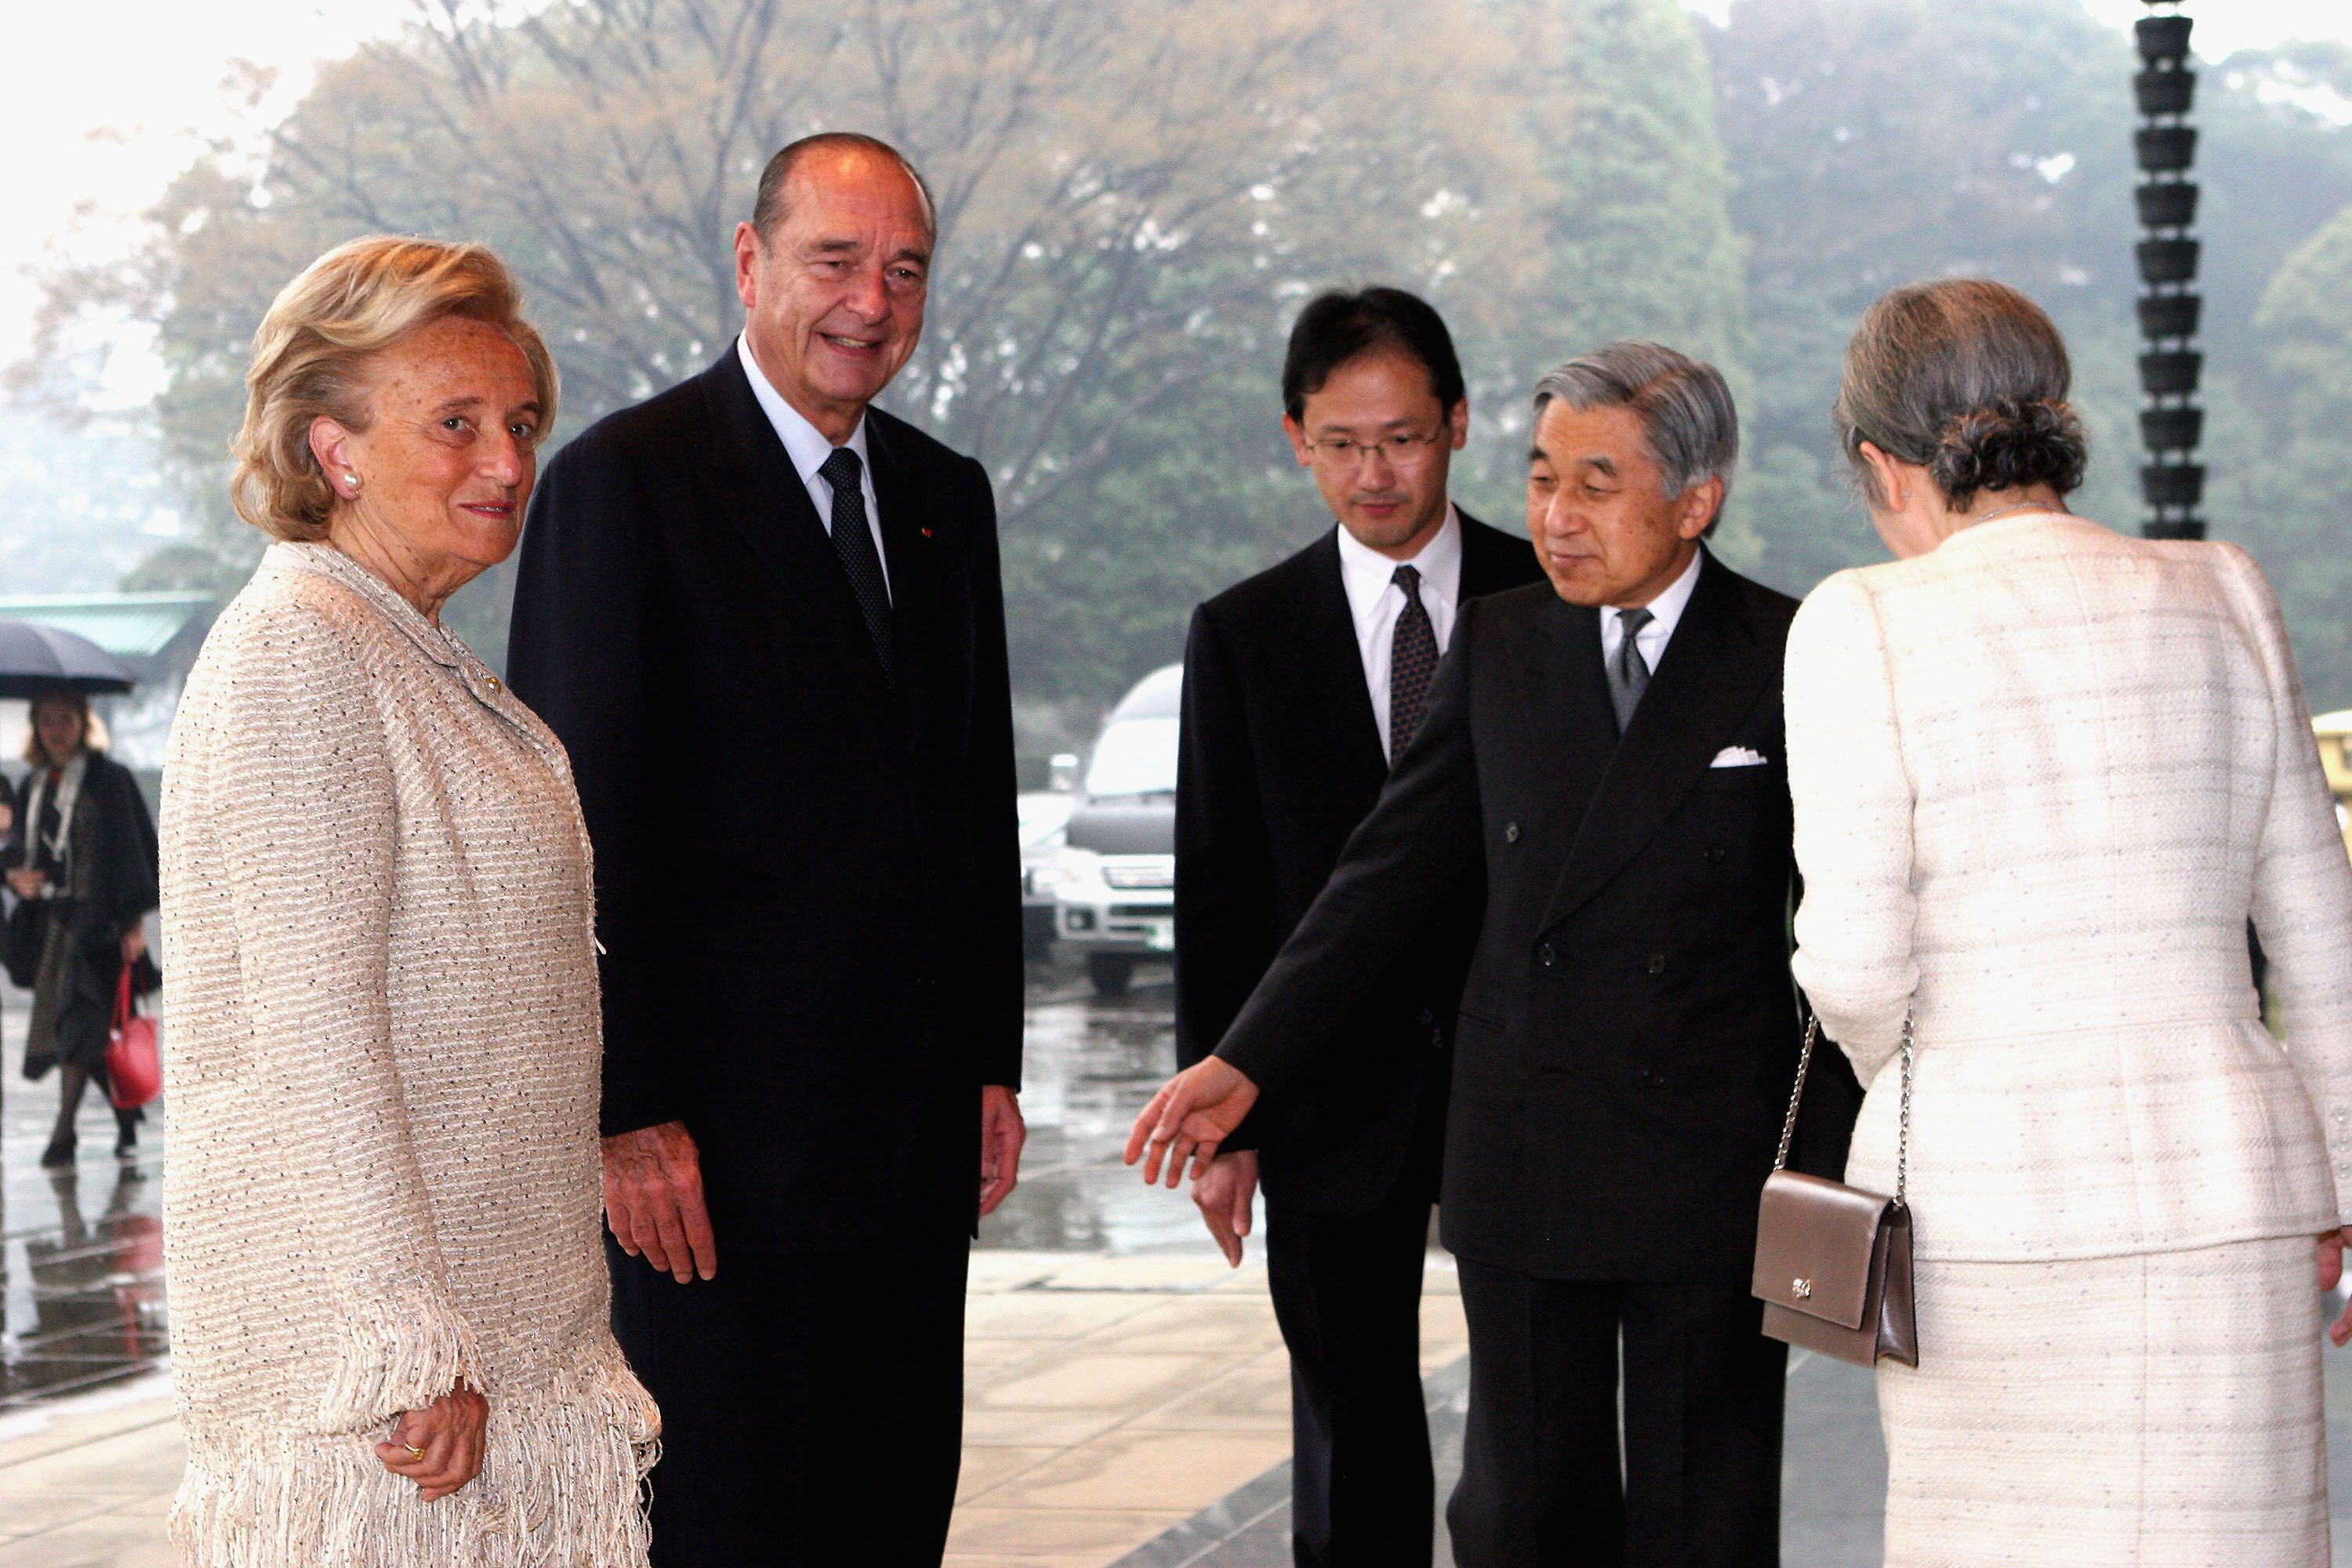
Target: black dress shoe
x,y
60,1151
126,1141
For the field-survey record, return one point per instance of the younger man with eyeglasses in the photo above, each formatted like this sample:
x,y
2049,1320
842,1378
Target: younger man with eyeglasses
x,y
1301,687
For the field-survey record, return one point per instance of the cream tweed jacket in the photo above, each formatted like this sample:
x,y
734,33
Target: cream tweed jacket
x,y
382,1010
2043,777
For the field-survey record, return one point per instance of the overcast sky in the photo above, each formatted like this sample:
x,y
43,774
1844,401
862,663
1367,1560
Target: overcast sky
x,y
101,100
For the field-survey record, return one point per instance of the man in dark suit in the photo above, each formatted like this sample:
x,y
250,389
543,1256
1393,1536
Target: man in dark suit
x,y
766,621
1301,685
1606,752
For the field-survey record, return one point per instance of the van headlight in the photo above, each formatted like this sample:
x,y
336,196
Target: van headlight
x,y
1077,870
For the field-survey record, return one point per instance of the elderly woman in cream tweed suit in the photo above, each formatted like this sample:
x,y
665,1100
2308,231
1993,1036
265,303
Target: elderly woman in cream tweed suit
x,y
2045,775
381,1215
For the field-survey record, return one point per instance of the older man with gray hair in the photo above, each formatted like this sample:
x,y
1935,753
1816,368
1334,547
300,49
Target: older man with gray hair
x,y
1604,751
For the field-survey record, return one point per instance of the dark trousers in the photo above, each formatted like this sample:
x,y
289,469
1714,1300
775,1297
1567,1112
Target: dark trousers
x,y
1540,1470
811,1403
1347,1292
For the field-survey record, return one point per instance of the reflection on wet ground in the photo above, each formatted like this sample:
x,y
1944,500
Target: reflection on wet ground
x,y
1091,1063
82,1250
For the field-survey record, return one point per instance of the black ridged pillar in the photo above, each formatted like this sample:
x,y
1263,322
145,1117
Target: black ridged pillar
x,y
2171,423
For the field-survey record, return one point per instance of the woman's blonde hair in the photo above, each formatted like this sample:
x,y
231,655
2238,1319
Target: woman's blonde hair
x,y
93,729
311,358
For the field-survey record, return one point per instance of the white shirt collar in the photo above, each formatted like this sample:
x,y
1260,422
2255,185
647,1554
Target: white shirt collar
x,y
1367,575
1666,612
803,442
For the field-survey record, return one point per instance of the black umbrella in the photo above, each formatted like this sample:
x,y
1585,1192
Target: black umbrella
x,y
35,657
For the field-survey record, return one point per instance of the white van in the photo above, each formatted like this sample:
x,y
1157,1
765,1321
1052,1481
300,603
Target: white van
x,y
1115,890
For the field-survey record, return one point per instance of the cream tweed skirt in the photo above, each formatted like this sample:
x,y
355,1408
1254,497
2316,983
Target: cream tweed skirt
x,y
2159,1409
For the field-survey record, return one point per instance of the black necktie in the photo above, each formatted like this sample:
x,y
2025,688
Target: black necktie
x,y
1412,660
853,540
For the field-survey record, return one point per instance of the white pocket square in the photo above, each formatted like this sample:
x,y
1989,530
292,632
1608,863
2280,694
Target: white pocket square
x,y
1738,757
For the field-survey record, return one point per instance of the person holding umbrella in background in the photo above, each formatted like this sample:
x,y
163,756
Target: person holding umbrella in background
x,y
83,868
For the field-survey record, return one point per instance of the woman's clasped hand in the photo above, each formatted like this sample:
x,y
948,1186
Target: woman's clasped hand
x,y
440,1446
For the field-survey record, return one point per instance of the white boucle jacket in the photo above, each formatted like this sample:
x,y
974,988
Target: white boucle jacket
x,y
2044,778
382,1067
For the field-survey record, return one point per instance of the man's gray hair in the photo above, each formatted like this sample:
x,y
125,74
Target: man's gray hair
x,y
1688,421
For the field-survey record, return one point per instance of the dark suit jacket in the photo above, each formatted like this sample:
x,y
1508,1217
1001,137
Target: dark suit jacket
x,y
807,887
1629,1032
1280,760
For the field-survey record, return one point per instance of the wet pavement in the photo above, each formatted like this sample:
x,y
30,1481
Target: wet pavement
x,y
82,1279
81,1259
82,1250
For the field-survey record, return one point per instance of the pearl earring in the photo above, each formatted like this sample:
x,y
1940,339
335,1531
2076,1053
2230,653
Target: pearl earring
x,y
354,481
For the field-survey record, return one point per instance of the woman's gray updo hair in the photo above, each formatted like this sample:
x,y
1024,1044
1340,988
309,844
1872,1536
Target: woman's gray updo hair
x,y
1968,379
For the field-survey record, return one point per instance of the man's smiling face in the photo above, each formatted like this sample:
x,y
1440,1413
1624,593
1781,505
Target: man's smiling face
x,y
832,295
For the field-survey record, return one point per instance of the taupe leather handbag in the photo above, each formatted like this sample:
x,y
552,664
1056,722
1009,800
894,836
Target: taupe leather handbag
x,y
1833,1262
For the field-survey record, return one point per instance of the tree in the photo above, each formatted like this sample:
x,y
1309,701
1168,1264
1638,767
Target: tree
x,y
1134,198
1880,141
2288,498
1124,191
1626,201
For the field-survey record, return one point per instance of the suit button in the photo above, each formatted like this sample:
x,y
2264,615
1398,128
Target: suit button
x,y
1510,833
1657,964
1547,956
1715,854
1426,1018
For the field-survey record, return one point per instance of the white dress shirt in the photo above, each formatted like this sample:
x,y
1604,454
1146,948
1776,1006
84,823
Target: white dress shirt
x,y
1666,612
1375,601
806,446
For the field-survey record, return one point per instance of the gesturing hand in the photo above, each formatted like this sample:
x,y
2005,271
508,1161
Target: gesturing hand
x,y
1001,1134
1222,1196
440,1446
1193,1113
653,1200
2331,1270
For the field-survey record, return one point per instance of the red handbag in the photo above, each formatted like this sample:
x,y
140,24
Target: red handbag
x,y
134,1070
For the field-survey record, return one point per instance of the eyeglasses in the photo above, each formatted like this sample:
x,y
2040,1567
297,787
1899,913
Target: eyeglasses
x,y
1402,450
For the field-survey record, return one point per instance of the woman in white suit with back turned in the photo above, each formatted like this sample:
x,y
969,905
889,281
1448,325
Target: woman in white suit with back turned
x,y
2044,777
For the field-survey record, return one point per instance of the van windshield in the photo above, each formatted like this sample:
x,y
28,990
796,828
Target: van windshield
x,y
1134,756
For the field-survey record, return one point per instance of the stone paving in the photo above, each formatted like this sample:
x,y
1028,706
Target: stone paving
x,y
1127,1400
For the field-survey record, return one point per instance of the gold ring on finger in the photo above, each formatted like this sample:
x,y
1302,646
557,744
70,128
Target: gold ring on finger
x,y
413,1451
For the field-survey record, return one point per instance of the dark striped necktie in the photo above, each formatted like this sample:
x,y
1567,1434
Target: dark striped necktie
x,y
853,540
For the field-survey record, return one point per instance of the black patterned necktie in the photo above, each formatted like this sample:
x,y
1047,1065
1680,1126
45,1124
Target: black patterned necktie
x,y
853,540
1629,672
1413,660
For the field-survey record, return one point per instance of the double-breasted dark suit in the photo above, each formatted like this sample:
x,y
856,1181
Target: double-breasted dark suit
x,y
1281,760
1626,1041
808,894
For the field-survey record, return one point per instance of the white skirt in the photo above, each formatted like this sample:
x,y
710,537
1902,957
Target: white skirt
x,y
2159,1409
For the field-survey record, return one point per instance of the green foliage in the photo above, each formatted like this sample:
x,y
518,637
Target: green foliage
x,y
1134,199
1880,141
2289,494
1626,219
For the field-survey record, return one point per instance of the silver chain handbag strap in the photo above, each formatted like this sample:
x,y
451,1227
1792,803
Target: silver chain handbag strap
x,y
1804,1064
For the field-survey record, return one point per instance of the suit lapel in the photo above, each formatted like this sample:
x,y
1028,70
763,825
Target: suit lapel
x,y
1488,556
764,500
907,559
1330,672
1712,674
1573,712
